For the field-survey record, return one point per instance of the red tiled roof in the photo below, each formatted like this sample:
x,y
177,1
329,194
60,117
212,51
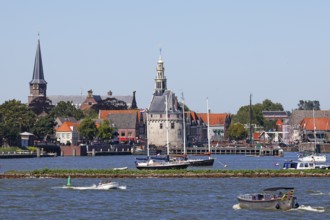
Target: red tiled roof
x,y
321,124
215,119
103,114
65,127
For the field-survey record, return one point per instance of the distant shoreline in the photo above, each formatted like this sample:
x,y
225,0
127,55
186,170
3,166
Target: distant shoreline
x,y
163,174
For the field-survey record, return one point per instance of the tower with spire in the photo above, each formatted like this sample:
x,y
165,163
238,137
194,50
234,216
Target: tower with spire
x,y
162,128
38,85
160,81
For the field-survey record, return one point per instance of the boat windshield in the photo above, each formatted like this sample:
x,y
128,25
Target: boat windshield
x,y
290,165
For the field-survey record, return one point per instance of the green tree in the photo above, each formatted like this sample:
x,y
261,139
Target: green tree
x,y
66,110
87,129
237,132
91,113
105,132
44,127
243,114
309,105
41,105
15,117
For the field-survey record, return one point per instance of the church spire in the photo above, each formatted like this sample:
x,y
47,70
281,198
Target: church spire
x,y
160,79
38,72
38,85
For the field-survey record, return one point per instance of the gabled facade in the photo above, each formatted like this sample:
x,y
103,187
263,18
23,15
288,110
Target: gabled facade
x,y
219,123
128,123
309,127
194,129
38,85
67,133
297,116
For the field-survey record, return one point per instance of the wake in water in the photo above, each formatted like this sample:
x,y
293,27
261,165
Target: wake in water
x,y
318,193
309,208
302,207
236,207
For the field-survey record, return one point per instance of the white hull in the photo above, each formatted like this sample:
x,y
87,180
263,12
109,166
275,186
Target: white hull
x,y
107,186
313,158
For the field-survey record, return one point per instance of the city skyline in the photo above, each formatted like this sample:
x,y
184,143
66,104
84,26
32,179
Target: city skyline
x,y
220,50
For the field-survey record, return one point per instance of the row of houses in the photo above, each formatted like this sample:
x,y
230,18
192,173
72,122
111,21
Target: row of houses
x,y
300,126
131,126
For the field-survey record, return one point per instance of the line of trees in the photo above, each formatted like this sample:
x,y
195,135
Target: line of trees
x,y
16,117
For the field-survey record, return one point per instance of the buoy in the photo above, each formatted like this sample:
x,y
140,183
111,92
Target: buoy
x,y
69,181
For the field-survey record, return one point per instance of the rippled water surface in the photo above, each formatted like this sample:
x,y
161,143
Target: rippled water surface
x,y
153,198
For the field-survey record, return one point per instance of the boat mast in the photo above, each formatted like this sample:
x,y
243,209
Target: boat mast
x,y
184,127
166,112
250,117
147,113
314,131
208,125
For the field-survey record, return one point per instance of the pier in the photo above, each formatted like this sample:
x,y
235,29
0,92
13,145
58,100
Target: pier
x,y
253,151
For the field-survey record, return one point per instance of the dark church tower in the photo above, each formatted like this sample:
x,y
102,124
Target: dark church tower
x,y
38,85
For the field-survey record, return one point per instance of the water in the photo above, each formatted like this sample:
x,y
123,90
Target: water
x,y
153,198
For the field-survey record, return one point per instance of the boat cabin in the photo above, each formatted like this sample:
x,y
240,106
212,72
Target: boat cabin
x,y
297,165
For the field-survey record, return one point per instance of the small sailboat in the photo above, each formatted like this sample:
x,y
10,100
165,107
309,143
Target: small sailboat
x,y
201,161
158,162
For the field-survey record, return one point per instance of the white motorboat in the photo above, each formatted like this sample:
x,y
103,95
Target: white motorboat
x,y
107,185
298,165
312,157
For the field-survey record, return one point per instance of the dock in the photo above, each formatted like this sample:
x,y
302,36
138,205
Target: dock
x,y
233,150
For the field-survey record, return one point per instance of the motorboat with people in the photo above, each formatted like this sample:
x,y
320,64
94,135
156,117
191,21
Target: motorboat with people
x,y
107,185
276,198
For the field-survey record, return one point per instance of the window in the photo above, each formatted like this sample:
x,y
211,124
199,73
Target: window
x,y
122,134
161,125
129,134
161,115
172,125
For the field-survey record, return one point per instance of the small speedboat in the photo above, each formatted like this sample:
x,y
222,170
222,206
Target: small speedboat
x,y
107,185
272,198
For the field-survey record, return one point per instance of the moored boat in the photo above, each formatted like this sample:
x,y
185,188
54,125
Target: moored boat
x,y
153,164
272,199
312,157
298,165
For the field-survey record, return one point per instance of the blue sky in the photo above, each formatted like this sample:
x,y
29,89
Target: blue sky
x,y
223,50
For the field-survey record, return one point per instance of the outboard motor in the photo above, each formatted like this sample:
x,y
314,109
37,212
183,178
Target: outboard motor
x,y
295,204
